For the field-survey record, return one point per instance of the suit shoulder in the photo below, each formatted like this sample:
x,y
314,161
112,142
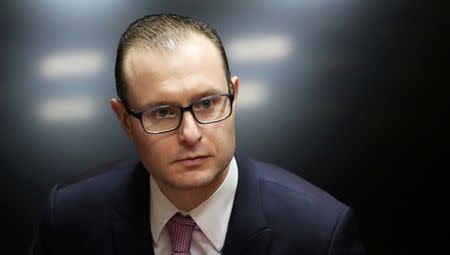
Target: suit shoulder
x,y
273,177
295,209
79,209
286,195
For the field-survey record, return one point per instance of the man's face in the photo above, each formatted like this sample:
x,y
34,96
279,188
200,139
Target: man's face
x,y
192,70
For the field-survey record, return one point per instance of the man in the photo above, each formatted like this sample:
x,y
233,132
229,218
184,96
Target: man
x,y
190,193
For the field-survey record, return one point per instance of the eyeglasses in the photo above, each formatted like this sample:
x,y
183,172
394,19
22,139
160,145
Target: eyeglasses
x,y
165,118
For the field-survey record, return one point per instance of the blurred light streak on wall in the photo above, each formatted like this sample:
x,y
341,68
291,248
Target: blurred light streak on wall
x,y
65,110
260,48
72,63
80,10
252,94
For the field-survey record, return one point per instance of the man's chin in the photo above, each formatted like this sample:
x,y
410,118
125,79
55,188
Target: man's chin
x,y
194,179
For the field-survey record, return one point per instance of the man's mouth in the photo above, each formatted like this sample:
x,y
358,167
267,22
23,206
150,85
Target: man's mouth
x,y
192,161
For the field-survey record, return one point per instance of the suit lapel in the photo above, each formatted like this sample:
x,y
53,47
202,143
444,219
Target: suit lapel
x,y
248,232
131,225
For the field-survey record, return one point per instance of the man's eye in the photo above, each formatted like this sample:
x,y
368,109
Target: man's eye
x,y
206,104
163,112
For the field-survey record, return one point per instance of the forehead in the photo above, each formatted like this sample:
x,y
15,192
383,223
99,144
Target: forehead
x,y
179,74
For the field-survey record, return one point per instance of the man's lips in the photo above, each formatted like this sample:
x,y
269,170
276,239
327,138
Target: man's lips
x,y
192,160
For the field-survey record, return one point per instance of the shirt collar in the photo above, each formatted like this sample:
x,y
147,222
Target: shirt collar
x,y
217,208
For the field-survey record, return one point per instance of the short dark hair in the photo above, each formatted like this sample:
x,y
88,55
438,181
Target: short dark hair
x,y
161,31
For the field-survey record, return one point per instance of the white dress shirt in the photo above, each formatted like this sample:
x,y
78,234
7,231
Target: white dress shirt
x,y
211,217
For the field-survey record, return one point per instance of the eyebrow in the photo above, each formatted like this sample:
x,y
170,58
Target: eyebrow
x,y
206,93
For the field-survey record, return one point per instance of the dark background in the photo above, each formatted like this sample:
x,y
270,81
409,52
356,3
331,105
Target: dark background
x,y
344,93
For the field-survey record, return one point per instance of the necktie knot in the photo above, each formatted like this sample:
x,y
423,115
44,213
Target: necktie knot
x,y
180,230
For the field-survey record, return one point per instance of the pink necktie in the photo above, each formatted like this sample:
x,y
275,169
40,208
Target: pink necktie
x,y
180,230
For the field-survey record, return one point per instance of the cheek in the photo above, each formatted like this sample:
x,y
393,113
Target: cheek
x,y
222,136
152,148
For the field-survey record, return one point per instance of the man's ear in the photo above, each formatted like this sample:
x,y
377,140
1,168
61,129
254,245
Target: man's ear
x,y
122,115
235,81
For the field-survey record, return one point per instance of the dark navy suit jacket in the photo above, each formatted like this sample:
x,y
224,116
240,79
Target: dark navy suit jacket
x,y
274,212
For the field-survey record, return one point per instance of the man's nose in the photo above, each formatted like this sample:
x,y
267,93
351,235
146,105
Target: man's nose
x,y
189,132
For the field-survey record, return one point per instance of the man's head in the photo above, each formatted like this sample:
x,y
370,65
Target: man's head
x,y
173,60
162,32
